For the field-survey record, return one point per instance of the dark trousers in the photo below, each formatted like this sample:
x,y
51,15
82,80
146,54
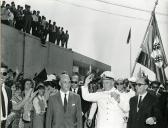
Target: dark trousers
x,y
5,22
3,123
58,41
27,25
50,36
34,28
62,43
19,24
66,44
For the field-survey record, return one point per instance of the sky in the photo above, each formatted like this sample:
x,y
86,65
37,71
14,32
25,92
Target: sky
x,y
99,28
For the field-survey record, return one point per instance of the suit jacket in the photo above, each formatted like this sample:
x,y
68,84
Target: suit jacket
x,y
148,108
9,95
163,104
85,104
56,118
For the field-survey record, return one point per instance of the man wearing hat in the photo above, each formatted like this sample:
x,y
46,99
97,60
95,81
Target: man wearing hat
x,y
109,113
144,111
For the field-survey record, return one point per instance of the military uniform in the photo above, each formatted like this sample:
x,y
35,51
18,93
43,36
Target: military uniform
x,y
110,114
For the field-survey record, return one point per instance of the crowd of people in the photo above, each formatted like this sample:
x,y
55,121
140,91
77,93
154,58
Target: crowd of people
x,y
63,101
23,18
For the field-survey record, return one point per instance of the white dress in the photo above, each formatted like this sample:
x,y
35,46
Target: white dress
x,y
110,114
125,98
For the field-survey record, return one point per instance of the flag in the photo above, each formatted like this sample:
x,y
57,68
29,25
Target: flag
x,y
152,53
42,76
129,36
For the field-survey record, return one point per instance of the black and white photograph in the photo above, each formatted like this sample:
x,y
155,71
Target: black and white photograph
x,y
84,64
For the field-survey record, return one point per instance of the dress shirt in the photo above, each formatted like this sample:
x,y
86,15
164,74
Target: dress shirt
x,y
63,95
6,102
75,90
35,18
143,96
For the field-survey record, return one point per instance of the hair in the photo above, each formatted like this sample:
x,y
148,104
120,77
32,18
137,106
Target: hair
x,y
39,86
126,82
146,80
75,74
18,85
155,82
25,80
3,65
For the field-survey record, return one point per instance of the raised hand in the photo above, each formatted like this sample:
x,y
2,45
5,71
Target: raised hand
x,y
33,94
89,79
151,121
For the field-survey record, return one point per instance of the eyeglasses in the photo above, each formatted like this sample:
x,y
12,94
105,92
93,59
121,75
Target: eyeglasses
x,y
74,82
4,73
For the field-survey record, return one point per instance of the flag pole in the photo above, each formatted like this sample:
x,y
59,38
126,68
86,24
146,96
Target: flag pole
x,y
153,11
130,57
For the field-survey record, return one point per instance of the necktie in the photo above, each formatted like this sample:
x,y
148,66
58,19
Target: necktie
x,y
74,91
65,103
139,102
3,104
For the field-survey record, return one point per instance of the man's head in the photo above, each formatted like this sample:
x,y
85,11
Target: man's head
x,y
41,88
120,85
65,82
74,80
142,85
155,85
38,13
34,12
28,84
7,6
3,3
4,74
107,80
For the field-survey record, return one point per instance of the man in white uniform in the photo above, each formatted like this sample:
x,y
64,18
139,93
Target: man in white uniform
x,y
110,113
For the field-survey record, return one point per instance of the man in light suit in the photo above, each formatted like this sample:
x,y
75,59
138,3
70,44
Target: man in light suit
x,y
144,111
64,108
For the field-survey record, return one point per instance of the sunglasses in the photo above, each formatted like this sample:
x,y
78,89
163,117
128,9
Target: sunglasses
x,y
74,82
4,73
120,83
139,85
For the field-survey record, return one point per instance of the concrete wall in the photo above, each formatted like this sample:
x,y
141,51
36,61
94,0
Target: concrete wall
x,y
12,47
17,47
36,57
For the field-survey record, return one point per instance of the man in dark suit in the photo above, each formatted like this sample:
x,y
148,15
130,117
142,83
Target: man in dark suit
x,y
77,89
162,95
6,95
64,108
144,112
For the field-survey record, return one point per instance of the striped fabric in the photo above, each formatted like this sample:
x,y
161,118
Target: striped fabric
x,y
152,53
